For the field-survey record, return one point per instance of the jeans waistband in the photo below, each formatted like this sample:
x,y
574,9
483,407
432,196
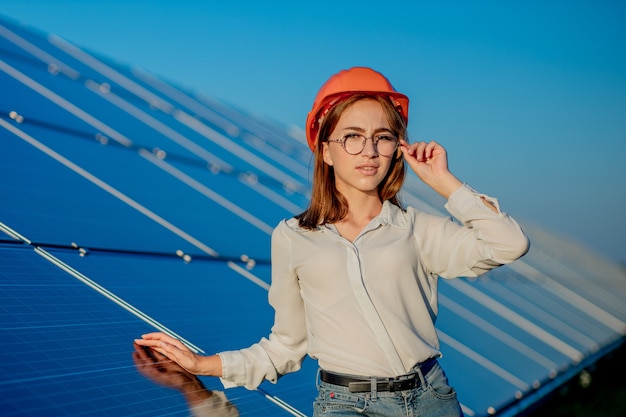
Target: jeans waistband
x,y
365,384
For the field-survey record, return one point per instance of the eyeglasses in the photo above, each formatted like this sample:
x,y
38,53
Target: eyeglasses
x,y
385,144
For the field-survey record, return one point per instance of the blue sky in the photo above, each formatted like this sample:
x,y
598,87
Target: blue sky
x,y
529,98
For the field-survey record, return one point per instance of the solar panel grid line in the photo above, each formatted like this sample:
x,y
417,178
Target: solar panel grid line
x,y
24,59
106,187
581,327
600,314
117,300
98,66
160,127
188,102
12,233
281,403
595,289
97,87
153,216
483,361
71,108
274,197
219,114
238,150
213,160
38,52
58,375
467,412
573,298
290,145
276,154
131,309
517,319
247,179
249,275
90,250
207,192
583,299
178,114
67,404
52,62
47,393
202,110
530,302
73,403
26,119
498,333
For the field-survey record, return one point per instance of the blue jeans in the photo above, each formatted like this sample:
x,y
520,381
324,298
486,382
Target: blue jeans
x,y
434,398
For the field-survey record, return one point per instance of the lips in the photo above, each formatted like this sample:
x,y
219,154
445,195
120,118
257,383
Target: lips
x,y
367,169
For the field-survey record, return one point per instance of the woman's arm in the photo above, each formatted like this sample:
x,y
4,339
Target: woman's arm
x,y
487,238
430,162
181,354
281,353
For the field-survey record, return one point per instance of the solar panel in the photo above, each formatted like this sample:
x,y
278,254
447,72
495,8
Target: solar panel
x,y
130,204
64,342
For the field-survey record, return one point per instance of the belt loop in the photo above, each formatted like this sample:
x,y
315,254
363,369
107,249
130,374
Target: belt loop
x,y
318,378
373,388
421,376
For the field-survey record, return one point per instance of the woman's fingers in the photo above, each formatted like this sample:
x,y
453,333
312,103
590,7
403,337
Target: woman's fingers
x,y
420,151
170,347
164,344
153,339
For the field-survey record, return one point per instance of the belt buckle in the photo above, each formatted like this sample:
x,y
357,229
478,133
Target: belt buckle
x,y
359,386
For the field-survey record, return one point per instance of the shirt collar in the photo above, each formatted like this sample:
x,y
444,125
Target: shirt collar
x,y
391,215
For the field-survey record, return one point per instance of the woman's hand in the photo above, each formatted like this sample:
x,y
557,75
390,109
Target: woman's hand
x,y
430,162
162,370
181,354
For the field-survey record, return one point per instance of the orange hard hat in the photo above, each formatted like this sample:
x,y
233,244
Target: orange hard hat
x,y
345,84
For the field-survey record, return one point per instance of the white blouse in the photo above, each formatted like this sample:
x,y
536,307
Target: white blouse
x,y
368,307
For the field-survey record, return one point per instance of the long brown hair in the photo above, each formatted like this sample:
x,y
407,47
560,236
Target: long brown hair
x,y
327,204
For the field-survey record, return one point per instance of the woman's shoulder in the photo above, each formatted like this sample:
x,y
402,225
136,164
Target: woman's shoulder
x,y
290,225
423,210
424,216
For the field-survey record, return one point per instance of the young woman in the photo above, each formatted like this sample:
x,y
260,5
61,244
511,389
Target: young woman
x,y
354,277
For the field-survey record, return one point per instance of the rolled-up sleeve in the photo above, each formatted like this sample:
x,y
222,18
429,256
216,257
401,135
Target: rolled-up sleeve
x,y
283,351
485,239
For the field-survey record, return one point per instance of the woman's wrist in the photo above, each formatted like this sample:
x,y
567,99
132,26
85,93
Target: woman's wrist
x,y
446,184
210,366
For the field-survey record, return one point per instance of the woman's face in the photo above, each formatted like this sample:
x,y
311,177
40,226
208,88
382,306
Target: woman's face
x,y
365,171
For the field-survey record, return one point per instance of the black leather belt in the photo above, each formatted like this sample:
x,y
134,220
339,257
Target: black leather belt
x,y
401,383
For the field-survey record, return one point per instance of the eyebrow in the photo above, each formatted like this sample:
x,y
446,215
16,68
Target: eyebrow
x,y
360,129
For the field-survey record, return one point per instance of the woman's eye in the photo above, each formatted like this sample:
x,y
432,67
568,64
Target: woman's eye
x,y
353,136
385,138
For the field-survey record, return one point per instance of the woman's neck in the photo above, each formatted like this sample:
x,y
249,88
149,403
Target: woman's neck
x,y
361,210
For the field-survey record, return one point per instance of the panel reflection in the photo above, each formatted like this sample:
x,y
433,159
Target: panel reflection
x,y
164,372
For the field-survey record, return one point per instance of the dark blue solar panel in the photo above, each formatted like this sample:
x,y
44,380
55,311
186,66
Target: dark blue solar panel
x,y
167,201
67,351
66,348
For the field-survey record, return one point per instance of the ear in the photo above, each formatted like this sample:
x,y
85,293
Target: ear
x,y
326,154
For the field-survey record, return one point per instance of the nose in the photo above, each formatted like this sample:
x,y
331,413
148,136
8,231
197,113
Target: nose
x,y
369,149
